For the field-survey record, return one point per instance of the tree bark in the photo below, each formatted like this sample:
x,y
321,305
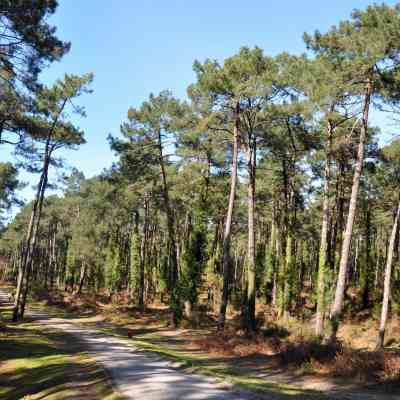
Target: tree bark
x,y
228,221
250,317
81,278
32,247
386,289
323,249
337,304
172,245
26,265
367,267
30,242
143,248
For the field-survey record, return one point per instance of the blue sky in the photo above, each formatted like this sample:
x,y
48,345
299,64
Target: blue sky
x,y
138,47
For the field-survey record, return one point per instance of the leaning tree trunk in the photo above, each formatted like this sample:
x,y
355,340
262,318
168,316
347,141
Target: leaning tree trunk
x,y
22,263
323,248
337,305
29,246
228,222
386,289
19,304
32,248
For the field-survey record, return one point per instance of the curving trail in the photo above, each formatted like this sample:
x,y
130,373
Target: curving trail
x,y
138,374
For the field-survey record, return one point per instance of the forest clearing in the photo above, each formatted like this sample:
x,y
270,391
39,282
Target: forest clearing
x,y
238,241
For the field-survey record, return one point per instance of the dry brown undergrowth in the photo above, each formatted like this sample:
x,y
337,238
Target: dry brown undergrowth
x,y
338,360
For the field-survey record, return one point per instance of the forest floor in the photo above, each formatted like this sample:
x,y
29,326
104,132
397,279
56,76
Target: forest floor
x,y
253,364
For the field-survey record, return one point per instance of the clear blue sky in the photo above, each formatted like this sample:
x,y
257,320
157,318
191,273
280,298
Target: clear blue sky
x,y
137,47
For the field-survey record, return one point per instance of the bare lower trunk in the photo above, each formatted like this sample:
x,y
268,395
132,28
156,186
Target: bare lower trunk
x,y
32,248
82,278
288,267
271,259
386,290
323,249
53,257
278,254
367,268
228,223
337,305
250,317
25,247
172,245
29,247
143,248
26,266
188,309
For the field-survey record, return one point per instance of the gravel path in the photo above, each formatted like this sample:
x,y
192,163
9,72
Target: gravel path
x,y
138,374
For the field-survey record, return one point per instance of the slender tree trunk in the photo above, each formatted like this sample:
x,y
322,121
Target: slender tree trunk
x,y
174,262
134,256
32,248
250,317
288,280
228,222
323,249
337,304
366,268
22,265
81,278
19,305
271,256
30,242
339,220
53,256
386,289
278,254
143,248
47,261
378,243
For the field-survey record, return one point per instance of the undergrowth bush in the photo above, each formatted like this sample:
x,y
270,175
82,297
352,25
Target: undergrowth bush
x,y
309,354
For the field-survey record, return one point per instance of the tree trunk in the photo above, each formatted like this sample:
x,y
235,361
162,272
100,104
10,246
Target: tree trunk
x,y
337,305
53,257
81,278
30,243
172,245
367,267
32,247
19,305
228,222
278,254
143,248
386,290
250,317
271,257
288,278
323,249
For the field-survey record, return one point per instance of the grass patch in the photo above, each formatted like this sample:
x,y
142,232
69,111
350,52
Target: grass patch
x,y
37,362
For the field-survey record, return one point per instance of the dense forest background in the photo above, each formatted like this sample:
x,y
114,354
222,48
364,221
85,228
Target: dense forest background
x,y
264,194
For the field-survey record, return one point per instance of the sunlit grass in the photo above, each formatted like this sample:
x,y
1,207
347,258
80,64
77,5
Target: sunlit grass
x,y
37,362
